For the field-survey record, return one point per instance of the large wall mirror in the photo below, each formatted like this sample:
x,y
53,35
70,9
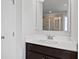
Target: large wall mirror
x,y
53,15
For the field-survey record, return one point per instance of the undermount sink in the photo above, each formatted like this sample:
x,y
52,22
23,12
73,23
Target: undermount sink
x,y
52,38
56,41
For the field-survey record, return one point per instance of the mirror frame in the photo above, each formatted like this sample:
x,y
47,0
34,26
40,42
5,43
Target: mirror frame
x,y
68,33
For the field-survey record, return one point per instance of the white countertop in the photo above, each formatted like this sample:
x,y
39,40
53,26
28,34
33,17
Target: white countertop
x,y
66,45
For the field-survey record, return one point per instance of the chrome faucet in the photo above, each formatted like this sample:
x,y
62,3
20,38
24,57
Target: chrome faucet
x,y
51,37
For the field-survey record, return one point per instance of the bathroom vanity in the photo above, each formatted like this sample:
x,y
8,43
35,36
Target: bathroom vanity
x,y
54,35
36,51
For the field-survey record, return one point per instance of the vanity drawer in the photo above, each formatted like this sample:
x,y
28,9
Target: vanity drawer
x,y
51,51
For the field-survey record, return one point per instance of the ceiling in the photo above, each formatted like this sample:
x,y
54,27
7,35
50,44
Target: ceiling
x,y
55,5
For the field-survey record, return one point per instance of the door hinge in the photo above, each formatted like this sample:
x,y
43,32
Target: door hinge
x,y
13,1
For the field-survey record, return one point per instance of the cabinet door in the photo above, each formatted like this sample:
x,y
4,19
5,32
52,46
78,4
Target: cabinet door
x,y
33,55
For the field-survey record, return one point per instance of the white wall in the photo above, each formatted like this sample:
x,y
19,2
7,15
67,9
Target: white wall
x,y
28,17
39,15
28,20
19,40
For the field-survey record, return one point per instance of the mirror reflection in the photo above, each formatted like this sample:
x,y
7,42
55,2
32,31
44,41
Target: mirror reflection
x,y
55,15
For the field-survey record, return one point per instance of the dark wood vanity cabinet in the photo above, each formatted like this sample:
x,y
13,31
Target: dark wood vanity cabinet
x,y
34,51
47,57
33,55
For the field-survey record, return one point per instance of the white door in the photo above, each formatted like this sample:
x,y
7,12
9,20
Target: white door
x,y
8,29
